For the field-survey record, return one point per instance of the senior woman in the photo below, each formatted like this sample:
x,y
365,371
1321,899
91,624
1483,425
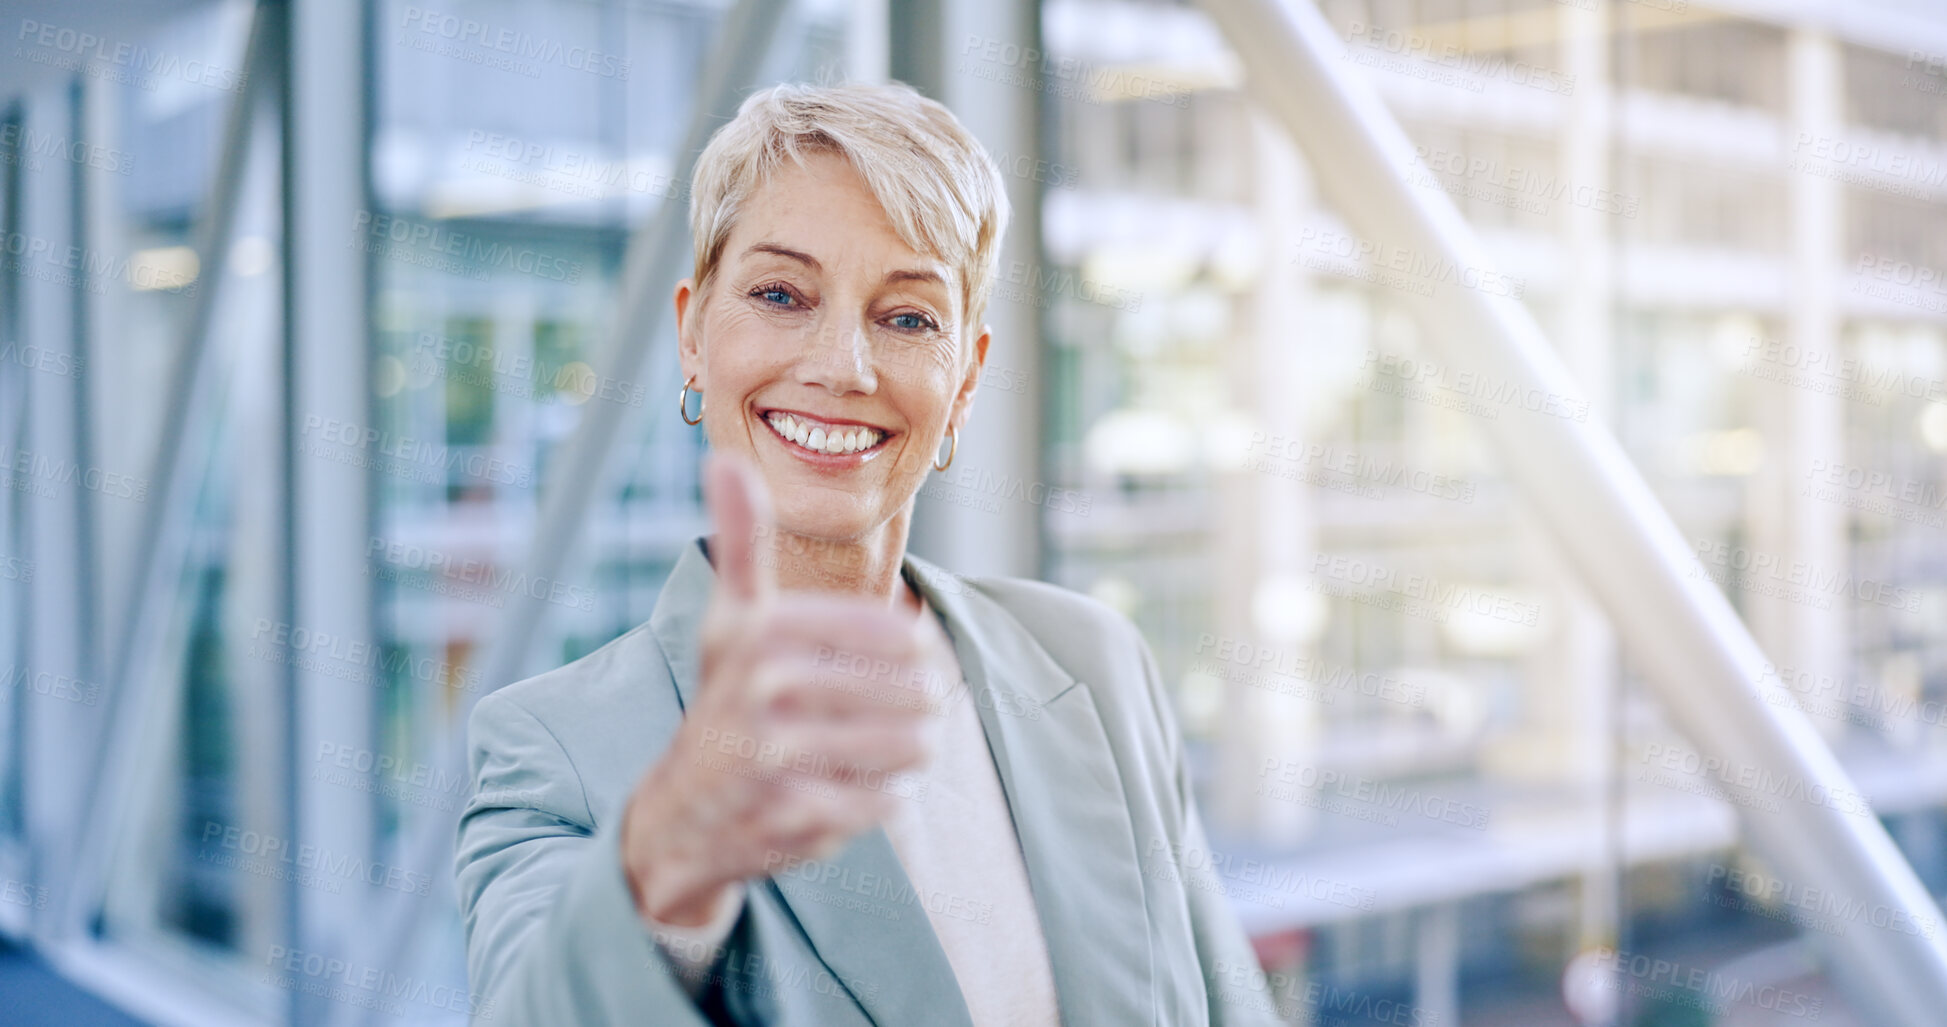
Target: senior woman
x,y
827,782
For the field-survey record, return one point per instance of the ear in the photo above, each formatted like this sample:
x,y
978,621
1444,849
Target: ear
x,y
963,399
689,348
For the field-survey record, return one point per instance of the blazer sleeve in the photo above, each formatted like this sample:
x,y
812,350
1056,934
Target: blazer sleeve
x,y
1222,947
552,935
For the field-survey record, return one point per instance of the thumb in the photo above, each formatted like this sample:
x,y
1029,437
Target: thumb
x,y
740,513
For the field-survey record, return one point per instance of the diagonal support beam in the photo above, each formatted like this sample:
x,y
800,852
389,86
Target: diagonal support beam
x,y
1704,664
175,471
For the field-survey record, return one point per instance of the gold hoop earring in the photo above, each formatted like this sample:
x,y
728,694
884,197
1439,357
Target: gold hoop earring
x,y
954,433
683,404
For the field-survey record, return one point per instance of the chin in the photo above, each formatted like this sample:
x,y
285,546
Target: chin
x,y
821,512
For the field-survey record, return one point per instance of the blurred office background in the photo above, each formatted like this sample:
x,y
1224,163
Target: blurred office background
x,y
305,307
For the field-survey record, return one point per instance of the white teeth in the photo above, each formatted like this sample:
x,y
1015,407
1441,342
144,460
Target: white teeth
x,y
836,440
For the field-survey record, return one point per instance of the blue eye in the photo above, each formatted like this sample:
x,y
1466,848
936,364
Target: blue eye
x,y
912,322
777,296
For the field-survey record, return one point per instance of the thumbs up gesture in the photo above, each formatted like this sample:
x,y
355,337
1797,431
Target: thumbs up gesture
x,y
808,704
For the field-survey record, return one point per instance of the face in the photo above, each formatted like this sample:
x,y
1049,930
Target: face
x,y
829,353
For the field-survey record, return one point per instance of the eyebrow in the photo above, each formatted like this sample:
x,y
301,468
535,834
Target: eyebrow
x,y
803,258
903,275
915,276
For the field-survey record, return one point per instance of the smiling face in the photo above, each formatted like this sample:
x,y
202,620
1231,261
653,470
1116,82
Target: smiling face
x,y
829,353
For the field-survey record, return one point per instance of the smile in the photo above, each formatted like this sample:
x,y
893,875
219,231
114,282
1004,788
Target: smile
x,y
823,438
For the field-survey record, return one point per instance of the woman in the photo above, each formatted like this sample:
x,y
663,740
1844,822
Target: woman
x,y
828,783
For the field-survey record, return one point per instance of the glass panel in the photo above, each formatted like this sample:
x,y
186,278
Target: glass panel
x,y
1385,671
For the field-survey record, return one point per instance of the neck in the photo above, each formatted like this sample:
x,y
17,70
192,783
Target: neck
x,y
867,566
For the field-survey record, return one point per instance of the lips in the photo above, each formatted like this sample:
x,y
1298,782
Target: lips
x,y
822,437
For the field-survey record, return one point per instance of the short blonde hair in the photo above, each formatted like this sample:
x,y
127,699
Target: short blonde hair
x,y
942,193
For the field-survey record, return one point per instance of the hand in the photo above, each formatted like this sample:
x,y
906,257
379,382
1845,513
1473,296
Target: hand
x,y
806,704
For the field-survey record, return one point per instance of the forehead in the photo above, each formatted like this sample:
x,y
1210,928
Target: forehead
x,y
824,209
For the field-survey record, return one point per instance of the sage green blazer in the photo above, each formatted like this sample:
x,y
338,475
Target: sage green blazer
x,y
1137,926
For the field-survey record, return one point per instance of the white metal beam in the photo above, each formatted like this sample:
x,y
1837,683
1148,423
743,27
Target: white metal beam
x,y
327,372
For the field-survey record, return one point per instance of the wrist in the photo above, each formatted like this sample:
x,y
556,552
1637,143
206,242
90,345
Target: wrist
x,y
681,905
666,887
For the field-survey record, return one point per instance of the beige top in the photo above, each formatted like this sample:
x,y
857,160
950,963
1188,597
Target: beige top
x,y
955,839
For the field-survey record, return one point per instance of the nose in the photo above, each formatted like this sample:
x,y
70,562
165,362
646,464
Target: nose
x,y
839,357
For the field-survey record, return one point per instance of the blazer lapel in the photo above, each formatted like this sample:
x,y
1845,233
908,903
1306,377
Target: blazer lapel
x,y
1068,803
858,910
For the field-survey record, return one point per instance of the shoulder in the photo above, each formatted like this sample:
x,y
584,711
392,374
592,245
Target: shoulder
x,y
581,732
1061,619
596,677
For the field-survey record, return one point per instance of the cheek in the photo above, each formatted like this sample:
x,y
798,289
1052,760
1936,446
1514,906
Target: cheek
x,y
926,380
742,347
